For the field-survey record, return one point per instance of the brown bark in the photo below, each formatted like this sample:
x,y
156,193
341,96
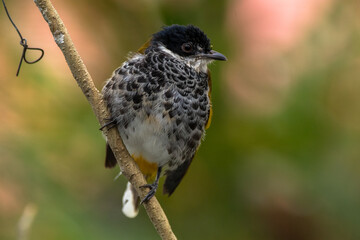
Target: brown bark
x,y
84,80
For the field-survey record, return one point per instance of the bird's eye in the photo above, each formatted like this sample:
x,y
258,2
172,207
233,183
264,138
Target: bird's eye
x,y
187,47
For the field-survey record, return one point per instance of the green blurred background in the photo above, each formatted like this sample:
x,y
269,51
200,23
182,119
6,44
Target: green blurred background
x,y
280,161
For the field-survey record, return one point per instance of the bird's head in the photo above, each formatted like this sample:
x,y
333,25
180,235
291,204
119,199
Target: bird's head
x,y
188,43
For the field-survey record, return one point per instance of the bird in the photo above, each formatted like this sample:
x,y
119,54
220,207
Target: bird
x,y
159,100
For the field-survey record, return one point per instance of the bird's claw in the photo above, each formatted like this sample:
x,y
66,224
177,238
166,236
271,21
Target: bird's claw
x,y
110,124
153,187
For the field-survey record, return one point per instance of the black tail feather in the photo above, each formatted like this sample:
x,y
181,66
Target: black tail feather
x,y
110,160
174,177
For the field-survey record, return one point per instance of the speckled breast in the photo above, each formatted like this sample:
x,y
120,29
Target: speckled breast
x,y
161,106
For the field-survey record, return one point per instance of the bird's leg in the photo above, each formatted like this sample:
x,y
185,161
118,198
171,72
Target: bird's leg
x,y
112,123
152,187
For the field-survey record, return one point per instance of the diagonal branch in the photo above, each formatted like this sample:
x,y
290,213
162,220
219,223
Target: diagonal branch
x,y
84,80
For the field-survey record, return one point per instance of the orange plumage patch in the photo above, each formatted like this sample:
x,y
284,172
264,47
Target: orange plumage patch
x,y
144,47
147,168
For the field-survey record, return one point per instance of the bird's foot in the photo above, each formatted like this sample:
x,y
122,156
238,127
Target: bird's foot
x,y
110,124
153,187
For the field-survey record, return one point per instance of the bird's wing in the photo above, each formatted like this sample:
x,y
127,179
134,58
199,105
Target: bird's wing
x,y
173,178
115,91
107,91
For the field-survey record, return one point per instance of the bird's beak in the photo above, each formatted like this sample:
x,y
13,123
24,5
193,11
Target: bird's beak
x,y
213,55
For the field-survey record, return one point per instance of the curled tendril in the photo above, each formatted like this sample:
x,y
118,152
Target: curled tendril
x,y
23,43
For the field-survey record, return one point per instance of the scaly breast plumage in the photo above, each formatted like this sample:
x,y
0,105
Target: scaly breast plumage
x,y
161,107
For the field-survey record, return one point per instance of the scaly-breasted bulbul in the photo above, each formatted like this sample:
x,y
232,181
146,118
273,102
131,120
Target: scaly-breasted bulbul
x,y
159,101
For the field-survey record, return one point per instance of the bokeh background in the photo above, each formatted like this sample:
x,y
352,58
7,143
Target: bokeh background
x,y
280,161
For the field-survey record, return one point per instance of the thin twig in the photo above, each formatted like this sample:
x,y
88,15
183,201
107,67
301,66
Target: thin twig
x,y
84,80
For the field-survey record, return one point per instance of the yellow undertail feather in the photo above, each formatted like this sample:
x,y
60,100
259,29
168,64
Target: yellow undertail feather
x,y
147,168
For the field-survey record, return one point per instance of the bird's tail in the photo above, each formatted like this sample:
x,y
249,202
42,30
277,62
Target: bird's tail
x,y
130,201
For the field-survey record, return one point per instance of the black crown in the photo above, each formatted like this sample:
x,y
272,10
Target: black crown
x,y
174,36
